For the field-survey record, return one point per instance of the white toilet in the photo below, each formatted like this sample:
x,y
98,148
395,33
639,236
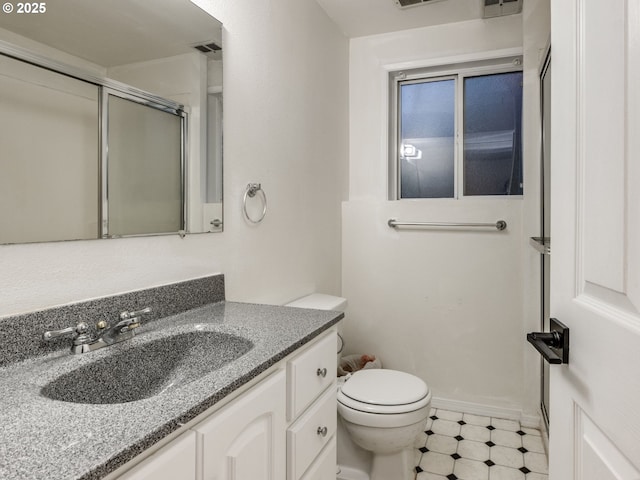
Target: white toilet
x,y
382,412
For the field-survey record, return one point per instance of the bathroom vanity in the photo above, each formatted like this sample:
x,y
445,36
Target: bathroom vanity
x,y
271,409
252,436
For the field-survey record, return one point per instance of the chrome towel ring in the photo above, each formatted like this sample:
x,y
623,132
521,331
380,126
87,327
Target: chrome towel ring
x,y
250,192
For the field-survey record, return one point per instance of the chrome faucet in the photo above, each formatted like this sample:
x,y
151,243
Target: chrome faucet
x,y
83,342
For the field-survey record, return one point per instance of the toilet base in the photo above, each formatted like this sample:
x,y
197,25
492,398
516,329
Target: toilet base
x,y
393,453
348,473
388,465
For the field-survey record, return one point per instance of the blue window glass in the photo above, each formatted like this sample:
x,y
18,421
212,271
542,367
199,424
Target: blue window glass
x,y
427,139
492,134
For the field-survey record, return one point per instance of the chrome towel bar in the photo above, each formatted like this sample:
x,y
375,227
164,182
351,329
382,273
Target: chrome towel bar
x,y
499,225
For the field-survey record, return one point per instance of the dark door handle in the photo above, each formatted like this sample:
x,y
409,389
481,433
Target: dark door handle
x,y
552,345
542,342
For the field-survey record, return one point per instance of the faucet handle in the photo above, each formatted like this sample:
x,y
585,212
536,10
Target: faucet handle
x,y
129,326
130,320
80,329
134,314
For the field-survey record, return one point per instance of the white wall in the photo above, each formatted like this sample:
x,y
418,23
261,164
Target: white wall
x,y
286,103
444,305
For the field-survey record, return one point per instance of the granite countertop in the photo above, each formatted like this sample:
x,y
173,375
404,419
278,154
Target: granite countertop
x,y
54,440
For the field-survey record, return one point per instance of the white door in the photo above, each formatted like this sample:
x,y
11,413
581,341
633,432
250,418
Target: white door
x,y
595,272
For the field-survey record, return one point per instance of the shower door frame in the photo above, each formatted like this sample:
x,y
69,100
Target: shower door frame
x,y
544,234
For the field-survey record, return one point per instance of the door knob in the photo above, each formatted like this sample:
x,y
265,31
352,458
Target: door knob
x,y
552,345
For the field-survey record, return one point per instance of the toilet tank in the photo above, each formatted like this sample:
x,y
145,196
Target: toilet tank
x,y
320,301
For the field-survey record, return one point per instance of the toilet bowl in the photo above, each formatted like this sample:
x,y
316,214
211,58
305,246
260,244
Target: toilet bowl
x,y
384,411
381,413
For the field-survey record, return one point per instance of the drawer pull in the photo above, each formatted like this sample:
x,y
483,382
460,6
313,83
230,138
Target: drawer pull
x,y
322,431
321,372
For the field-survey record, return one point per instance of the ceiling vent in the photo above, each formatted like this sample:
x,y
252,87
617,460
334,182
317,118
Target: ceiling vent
x,y
211,50
413,3
499,8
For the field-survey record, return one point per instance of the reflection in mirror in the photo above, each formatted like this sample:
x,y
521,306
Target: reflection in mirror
x,y
48,155
55,180
144,174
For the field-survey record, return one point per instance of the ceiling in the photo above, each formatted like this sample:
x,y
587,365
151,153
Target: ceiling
x,y
116,32
357,18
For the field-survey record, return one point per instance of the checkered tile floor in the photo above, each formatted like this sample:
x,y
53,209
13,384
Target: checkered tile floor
x,y
459,446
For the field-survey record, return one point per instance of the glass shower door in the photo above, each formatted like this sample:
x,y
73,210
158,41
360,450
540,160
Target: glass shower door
x,y
545,195
144,169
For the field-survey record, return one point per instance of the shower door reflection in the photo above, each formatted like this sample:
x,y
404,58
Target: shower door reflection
x,y
144,169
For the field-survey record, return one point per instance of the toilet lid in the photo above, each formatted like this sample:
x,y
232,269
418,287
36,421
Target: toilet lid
x,y
384,387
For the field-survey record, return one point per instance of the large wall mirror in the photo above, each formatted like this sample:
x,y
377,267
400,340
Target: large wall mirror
x,y
110,120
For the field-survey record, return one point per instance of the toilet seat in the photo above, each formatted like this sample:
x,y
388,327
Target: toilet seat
x,y
384,392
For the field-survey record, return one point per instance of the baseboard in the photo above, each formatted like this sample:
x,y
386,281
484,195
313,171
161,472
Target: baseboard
x,y
529,421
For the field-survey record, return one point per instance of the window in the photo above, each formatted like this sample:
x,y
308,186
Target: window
x,y
457,131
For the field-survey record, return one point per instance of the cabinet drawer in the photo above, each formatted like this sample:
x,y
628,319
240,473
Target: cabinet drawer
x,y
309,374
324,468
310,433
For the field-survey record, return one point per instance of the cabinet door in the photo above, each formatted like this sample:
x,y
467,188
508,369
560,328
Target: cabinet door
x,y
246,439
175,460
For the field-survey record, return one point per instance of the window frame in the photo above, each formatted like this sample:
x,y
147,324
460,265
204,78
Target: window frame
x,y
458,72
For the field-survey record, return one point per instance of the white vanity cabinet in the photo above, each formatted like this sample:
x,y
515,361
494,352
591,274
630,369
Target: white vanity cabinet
x,y
175,460
282,427
311,409
324,468
245,440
